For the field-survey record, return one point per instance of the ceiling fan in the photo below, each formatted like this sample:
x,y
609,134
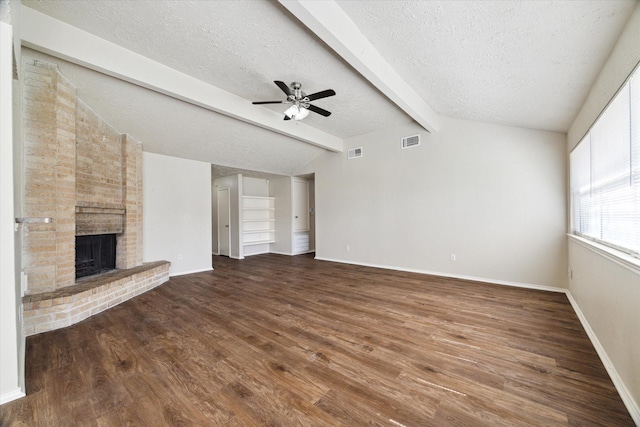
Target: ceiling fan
x,y
300,101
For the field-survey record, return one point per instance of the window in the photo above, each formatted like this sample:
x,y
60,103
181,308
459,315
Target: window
x,y
605,174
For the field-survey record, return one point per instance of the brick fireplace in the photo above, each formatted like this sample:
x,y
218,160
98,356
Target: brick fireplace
x,y
87,178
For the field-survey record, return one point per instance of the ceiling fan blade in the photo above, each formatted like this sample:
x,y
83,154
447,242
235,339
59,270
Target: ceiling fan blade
x,y
321,94
268,102
319,110
284,87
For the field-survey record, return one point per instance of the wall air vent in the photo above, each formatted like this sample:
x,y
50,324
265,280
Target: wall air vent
x,y
410,141
354,153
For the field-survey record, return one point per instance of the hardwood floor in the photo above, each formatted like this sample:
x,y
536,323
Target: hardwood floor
x,y
275,340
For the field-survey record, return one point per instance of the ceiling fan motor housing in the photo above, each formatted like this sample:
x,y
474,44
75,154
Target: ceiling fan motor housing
x,y
298,94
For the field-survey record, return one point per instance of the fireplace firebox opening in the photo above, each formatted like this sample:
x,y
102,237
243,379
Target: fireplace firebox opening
x,y
95,254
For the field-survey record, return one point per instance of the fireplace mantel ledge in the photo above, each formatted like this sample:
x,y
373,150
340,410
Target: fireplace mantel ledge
x,y
100,210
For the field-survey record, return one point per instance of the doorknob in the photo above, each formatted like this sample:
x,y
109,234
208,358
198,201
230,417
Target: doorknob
x,y
227,225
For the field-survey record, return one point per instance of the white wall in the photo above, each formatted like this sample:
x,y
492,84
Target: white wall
x,y
493,195
606,292
255,186
10,335
177,212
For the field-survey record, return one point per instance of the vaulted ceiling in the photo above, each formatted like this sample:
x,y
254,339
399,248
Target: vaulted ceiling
x,y
180,76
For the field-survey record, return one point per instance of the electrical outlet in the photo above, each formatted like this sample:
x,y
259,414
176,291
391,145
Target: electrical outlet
x,y
347,248
452,257
179,256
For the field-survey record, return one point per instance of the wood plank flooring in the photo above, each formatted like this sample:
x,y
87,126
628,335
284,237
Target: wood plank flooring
x,y
289,341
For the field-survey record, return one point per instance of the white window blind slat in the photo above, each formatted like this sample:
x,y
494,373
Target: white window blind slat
x,y
580,167
610,136
634,113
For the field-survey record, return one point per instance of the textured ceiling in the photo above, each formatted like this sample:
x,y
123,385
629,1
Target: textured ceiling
x,y
522,63
238,46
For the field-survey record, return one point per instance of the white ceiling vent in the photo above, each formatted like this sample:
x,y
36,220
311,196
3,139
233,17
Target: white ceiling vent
x,y
410,141
354,153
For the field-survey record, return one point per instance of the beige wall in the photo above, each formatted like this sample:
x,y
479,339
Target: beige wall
x,y
493,195
607,292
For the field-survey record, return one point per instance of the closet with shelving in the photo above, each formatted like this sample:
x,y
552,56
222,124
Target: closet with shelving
x,y
258,220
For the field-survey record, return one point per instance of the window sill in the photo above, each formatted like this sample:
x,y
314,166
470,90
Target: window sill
x,y
621,258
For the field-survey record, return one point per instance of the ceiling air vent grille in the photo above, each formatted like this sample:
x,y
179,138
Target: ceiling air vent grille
x,y
410,141
354,153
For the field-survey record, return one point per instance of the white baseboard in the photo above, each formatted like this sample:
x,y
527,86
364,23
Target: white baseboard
x,y
453,276
182,273
627,399
257,253
281,253
12,395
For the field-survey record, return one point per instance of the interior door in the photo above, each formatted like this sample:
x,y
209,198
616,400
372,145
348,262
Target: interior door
x,y
300,205
224,216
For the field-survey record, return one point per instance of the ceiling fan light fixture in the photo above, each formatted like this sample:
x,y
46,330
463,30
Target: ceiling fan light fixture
x,y
303,112
292,111
296,112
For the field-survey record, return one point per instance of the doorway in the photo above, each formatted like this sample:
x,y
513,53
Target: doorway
x,y
224,216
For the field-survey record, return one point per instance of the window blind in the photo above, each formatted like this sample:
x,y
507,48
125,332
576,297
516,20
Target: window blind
x,y
605,174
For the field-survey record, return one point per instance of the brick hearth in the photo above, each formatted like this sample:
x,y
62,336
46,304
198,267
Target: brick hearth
x,y
67,306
